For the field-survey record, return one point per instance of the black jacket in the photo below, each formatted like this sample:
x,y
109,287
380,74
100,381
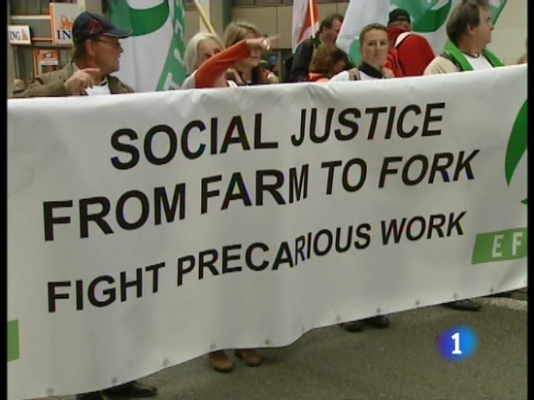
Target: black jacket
x,y
302,59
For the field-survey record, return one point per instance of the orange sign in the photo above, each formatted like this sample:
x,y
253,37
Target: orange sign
x,y
48,57
62,18
19,34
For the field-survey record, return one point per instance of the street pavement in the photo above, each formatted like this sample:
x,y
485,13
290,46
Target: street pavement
x,y
397,363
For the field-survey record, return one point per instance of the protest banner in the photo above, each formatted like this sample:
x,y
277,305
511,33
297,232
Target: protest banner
x,y
147,229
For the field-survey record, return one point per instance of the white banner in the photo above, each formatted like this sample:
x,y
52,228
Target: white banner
x,y
147,229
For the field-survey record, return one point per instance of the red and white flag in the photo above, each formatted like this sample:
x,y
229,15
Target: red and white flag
x,y
305,21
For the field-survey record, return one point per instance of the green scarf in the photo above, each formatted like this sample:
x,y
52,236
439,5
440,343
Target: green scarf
x,y
452,51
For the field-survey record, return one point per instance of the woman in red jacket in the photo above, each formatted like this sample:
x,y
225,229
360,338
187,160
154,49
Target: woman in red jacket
x,y
240,60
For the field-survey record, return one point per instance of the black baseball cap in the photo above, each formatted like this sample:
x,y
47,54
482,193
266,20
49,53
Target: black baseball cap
x,y
398,14
88,25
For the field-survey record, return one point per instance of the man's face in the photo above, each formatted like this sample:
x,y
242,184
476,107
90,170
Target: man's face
x,y
482,33
107,51
329,35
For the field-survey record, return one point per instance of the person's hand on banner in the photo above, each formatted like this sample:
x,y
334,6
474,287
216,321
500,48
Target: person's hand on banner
x,y
263,43
387,73
233,75
81,80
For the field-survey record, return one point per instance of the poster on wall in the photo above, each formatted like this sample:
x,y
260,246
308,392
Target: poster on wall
x,y
19,34
48,57
62,17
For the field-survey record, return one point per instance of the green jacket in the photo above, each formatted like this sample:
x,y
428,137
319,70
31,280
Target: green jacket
x,y
52,84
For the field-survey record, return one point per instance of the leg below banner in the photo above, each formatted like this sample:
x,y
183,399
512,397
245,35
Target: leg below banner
x,y
131,389
463,305
250,357
380,321
219,361
90,396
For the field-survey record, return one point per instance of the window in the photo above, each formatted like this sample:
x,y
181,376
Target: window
x,y
33,7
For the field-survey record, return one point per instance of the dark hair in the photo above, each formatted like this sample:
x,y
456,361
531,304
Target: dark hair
x,y
78,51
371,27
325,57
466,14
329,21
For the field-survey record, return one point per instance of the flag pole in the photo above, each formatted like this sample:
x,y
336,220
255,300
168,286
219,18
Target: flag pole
x,y
312,18
204,18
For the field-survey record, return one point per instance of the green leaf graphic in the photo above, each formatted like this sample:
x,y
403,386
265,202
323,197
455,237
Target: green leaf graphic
x,y
517,144
141,22
13,350
431,20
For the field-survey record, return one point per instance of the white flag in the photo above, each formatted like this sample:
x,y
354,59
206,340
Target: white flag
x,y
359,14
153,56
305,21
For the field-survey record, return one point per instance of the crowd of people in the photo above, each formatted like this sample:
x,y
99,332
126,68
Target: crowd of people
x,y
387,52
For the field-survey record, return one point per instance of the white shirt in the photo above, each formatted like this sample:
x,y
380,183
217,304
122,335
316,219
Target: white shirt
x,y
189,82
345,77
103,88
478,63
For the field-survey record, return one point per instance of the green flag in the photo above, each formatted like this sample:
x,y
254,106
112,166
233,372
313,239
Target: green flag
x,y
153,55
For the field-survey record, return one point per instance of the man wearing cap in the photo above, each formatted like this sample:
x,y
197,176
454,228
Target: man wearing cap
x,y
95,56
413,51
469,30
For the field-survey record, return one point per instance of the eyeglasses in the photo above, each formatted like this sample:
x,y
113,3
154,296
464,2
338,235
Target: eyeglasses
x,y
117,45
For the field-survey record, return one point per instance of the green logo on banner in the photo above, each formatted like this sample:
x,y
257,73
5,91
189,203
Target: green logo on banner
x,y
517,145
13,352
510,244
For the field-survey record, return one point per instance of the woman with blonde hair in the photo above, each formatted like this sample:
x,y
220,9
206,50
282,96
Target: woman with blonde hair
x,y
200,48
249,71
238,64
245,46
374,48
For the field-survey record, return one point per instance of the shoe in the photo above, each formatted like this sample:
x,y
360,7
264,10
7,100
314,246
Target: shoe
x,y
509,294
250,357
131,389
353,326
463,305
219,361
90,396
380,321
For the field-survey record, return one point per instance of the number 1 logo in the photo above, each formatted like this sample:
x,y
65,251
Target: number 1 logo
x,y
457,344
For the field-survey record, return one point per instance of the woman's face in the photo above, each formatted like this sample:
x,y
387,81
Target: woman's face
x,y
374,48
255,56
206,49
